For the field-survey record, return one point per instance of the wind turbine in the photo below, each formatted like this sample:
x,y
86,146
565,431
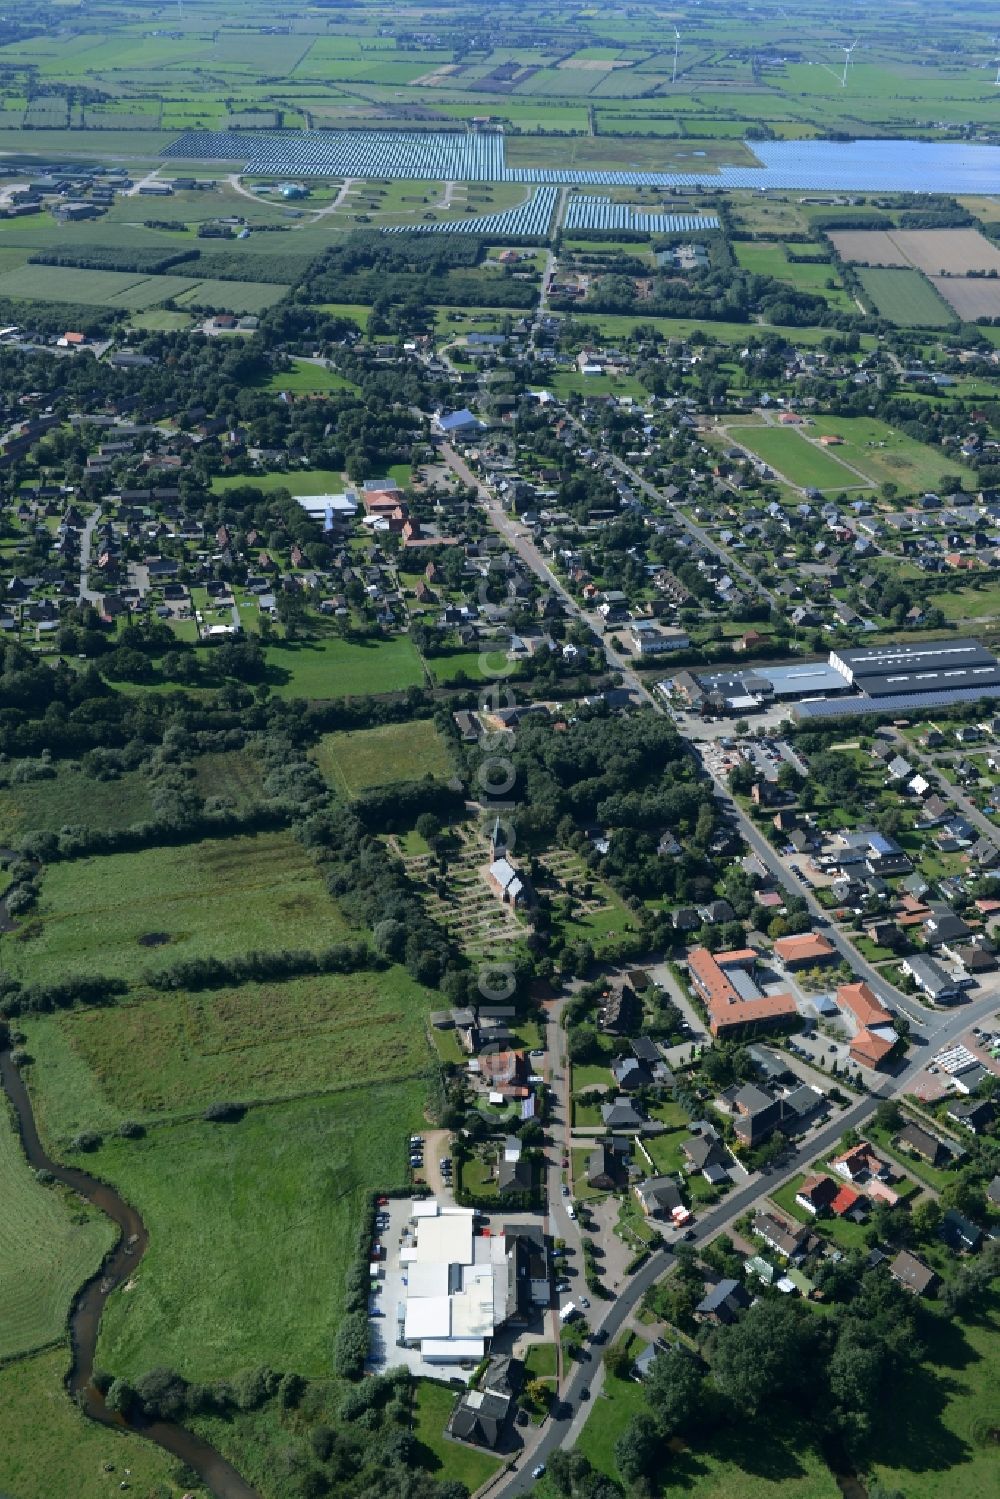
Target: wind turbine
x,y
848,61
677,47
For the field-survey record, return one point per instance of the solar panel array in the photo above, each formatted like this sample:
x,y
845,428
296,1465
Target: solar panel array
x,y
530,218
832,707
820,166
591,212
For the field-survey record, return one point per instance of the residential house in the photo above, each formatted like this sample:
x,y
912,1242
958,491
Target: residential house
x,y
928,975
621,1114
723,1303
755,1115
786,1239
930,1149
960,1233
658,1196
911,1273
607,1168
972,1114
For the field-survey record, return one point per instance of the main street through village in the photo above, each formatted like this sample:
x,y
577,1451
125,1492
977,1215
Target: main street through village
x,y
938,1028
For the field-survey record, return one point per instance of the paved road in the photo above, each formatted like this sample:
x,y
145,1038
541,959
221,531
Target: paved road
x,y
86,545
557,1431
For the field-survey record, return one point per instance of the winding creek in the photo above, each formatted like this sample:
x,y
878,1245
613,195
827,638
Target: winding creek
x,y
119,1265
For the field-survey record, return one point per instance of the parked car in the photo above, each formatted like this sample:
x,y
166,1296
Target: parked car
x,y
537,1471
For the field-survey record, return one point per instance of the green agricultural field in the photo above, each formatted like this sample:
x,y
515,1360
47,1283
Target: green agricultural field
x,y
886,454
353,760
73,798
796,459
170,1054
56,283
222,896
329,667
904,297
252,1226
50,1243
231,296
968,603
49,1447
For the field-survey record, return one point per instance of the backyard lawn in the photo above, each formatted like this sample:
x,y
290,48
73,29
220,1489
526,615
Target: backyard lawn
x,y
437,1452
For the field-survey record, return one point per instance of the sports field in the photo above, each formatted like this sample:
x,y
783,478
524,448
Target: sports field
x,y
50,1243
904,297
110,915
795,458
887,455
353,760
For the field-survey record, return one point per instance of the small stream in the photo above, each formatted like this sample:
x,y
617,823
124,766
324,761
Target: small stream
x,y
85,1317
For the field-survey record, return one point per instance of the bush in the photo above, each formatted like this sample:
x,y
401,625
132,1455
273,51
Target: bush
x,y
350,1346
224,1113
86,1140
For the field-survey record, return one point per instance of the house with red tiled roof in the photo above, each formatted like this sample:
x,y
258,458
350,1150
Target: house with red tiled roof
x,y
875,1037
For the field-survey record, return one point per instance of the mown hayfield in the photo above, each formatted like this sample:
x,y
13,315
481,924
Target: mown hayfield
x,y
49,1447
57,283
108,915
330,667
50,1243
353,760
252,1226
72,798
167,1054
904,297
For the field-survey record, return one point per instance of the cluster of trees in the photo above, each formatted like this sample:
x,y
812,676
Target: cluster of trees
x,y
778,1357
259,967
374,891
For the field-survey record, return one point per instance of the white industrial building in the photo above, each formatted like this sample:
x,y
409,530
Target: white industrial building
x,y
460,1286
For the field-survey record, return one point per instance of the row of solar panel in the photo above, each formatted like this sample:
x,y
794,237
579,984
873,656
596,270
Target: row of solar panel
x,y
833,707
591,212
531,218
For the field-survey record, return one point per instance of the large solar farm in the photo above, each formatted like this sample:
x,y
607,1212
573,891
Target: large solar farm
x,y
210,157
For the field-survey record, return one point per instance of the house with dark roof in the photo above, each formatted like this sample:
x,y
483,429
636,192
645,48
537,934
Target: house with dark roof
x,y
755,1114
723,1303
960,1233
607,1168
658,1196
621,1114
973,1114
630,1074
922,1143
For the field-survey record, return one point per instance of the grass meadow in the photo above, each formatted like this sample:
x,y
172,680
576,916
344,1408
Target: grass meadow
x,y
251,1228
168,1054
72,798
904,297
354,760
50,1243
214,898
49,1447
330,667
